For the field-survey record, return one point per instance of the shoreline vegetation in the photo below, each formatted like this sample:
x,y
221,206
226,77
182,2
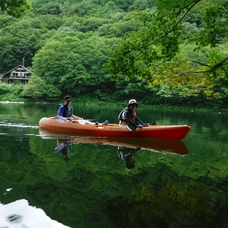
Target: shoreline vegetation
x,y
106,53
117,104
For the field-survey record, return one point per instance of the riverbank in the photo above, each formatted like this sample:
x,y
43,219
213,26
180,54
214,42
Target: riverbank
x,y
121,104
12,102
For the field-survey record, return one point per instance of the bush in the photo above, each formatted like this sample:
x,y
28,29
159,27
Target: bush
x,y
5,89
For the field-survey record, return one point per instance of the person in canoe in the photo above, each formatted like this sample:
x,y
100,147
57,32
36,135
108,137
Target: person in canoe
x,y
66,110
128,117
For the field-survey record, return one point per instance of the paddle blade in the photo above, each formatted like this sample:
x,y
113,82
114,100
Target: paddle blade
x,y
130,127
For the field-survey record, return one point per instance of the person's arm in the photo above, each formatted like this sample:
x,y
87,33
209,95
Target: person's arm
x,y
76,117
140,122
61,110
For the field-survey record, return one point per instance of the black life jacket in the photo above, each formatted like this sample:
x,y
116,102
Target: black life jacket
x,y
132,117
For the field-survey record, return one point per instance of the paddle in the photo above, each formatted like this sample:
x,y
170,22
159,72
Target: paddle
x,y
131,127
153,123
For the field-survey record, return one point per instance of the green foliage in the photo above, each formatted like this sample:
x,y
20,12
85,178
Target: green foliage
x,y
92,24
60,64
82,45
35,88
11,92
214,23
49,61
7,54
15,8
17,89
21,39
52,93
52,8
5,89
153,53
110,8
142,5
73,64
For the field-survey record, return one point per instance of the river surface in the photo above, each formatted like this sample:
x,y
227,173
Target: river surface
x,y
50,179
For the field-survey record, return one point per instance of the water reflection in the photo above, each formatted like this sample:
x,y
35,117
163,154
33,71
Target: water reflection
x,y
64,142
64,147
126,154
91,190
21,214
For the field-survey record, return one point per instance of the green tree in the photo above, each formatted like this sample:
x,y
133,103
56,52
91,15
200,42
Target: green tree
x,y
15,8
153,53
7,54
92,24
35,88
4,89
52,93
110,8
142,5
120,25
51,61
49,8
22,38
74,64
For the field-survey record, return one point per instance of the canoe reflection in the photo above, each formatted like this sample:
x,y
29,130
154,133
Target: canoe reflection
x,y
155,145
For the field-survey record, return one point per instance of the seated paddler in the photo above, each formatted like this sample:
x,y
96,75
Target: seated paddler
x,y
66,110
129,118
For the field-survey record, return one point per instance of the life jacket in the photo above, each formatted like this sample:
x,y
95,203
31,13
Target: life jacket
x,y
132,115
68,110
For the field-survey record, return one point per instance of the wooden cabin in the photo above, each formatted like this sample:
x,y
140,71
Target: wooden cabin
x,y
19,73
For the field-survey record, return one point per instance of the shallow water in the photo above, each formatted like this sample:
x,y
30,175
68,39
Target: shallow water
x,y
85,181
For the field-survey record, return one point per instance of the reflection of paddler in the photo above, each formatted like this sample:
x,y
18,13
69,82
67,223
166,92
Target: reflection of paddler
x,y
64,147
155,145
126,155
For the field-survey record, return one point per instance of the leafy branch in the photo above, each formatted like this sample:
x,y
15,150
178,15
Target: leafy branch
x,y
212,68
178,22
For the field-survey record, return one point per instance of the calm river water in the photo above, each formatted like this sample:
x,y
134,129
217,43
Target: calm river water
x,y
89,182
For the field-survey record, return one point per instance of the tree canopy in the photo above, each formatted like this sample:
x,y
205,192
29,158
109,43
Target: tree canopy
x,y
160,51
157,53
15,8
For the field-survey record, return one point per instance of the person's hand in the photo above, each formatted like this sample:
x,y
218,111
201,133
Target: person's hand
x,y
140,126
146,125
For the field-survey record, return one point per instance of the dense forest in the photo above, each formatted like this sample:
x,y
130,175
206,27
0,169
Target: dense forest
x,y
158,51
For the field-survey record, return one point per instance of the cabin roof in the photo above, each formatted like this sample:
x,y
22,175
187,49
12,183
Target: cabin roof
x,y
16,68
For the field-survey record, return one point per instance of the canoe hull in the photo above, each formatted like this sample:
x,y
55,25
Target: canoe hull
x,y
174,132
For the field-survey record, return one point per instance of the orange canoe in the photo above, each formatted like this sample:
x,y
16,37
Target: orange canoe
x,y
155,145
175,132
